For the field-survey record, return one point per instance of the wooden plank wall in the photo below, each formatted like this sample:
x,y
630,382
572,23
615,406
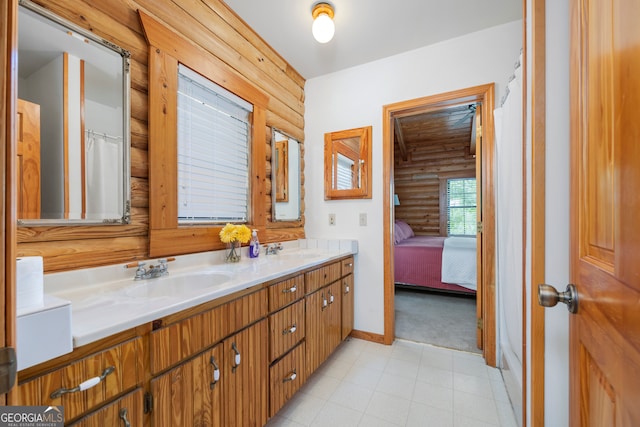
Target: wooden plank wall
x,y
212,26
417,180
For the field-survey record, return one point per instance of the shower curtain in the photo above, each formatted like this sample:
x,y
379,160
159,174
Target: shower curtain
x,y
509,220
103,177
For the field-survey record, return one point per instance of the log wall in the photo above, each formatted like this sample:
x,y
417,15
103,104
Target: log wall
x,y
214,27
417,180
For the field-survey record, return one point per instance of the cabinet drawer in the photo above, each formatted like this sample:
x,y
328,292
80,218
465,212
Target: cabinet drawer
x,y
316,279
285,292
53,389
286,377
347,266
286,328
128,408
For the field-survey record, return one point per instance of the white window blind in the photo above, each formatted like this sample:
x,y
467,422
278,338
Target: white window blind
x,y
461,207
213,151
345,173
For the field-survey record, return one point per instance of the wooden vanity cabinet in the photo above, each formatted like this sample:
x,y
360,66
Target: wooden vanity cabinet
x,y
323,320
126,411
287,328
224,385
120,366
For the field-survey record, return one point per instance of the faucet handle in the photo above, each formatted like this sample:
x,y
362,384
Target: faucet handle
x,y
135,264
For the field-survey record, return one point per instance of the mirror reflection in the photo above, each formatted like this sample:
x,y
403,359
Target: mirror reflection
x,y
347,159
285,166
73,131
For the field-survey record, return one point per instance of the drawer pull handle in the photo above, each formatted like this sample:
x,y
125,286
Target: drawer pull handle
x,y
350,264
324,301
292,376
290,290
216,373
290,330
124,416
347,289
236,359
85,385
330,298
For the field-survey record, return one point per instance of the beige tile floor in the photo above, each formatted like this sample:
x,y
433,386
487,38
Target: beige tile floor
x,y
405,384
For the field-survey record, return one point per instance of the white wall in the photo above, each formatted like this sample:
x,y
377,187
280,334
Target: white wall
x,y
557,212
354,98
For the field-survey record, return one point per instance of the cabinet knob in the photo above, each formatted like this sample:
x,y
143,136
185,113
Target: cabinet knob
x,y
85,385
236,359
216,372
290,330
124,416
292,376
290,290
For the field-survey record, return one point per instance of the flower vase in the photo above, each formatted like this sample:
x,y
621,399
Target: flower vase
x,y
232,253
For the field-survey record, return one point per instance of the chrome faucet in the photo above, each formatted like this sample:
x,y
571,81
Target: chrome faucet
x,y
143,273
273,248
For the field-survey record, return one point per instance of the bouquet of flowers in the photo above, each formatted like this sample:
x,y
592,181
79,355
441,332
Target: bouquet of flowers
x,y
234,235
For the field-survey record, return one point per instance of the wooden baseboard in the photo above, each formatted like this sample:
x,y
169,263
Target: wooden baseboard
x,y
367,336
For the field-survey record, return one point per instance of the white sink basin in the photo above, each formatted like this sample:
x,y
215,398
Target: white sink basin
x,y
172,286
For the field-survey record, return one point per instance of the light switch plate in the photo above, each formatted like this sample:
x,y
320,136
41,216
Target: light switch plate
x,y
332,219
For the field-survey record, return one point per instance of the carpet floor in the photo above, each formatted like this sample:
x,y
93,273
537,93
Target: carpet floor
x,y
435,318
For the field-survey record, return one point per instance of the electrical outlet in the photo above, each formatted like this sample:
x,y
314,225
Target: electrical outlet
x,y
363,219
332,219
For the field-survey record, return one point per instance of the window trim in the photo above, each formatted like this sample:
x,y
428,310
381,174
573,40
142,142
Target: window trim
x,y
444,217
167,49
448,206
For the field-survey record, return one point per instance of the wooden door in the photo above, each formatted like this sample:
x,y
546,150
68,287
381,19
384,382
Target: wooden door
x,y
190,394
246,377
605,233
28,160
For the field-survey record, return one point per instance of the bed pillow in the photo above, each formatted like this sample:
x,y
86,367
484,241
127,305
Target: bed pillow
x,y
402,231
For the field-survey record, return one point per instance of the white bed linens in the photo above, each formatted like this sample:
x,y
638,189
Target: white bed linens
x,y
459,261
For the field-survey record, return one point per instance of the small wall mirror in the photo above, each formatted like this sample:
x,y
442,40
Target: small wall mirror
x,y
347,164
73,123
285,177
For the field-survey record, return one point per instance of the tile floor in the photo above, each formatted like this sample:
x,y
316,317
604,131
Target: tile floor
x,y
405,384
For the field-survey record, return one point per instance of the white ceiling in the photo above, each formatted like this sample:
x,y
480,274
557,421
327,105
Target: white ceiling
x,y
367,30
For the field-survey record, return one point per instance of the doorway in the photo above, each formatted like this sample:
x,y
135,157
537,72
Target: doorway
x,y
483,98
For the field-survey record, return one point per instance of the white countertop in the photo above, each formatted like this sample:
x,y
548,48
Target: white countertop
x,y
106,300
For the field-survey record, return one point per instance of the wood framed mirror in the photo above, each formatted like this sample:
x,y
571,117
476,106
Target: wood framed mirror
x,y
285,164
347,164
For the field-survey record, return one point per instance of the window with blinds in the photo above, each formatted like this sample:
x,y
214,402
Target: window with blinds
x,y
213,151
461,207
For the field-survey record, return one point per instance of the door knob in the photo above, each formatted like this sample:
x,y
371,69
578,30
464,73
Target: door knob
x,y
548,296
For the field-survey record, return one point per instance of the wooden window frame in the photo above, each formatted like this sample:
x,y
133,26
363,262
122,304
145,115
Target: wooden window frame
x,y
166,49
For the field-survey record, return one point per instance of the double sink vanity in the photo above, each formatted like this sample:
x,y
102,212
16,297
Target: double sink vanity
x,y
208,344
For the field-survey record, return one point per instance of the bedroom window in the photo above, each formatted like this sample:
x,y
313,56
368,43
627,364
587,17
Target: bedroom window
x,y
461,207
213,151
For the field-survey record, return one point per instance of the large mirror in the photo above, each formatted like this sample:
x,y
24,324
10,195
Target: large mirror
x,y
347,164
73,123
285,177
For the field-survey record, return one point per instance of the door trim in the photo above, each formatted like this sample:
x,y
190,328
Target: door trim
x,y
537,275
8,111
485,95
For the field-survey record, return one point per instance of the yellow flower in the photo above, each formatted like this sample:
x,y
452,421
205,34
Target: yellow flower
x,y
235,233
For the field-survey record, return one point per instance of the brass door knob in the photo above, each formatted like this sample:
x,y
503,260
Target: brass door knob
x,y
548,296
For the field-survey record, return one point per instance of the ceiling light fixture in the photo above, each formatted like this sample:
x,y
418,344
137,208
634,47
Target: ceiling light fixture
x,y
323,26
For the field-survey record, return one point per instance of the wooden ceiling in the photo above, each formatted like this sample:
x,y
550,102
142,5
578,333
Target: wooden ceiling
x,y
448,127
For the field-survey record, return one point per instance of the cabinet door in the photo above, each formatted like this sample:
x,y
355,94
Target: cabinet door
x,y
333,332
347,305
126,411
246,377
191,393
316,305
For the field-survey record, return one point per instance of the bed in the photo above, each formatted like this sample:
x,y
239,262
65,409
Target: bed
x,y
434,262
